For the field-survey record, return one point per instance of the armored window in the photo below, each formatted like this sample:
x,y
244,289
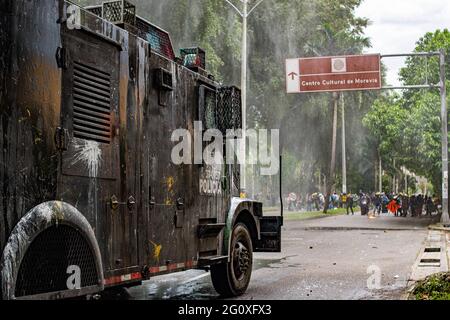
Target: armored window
x,y
193,58
207,107
119,12
159,39
229,109
164,79
91,103
97,10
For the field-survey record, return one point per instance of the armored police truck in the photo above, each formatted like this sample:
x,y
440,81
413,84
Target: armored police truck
x,y
90,199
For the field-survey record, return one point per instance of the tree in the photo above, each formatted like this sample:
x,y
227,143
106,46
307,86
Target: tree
x,y
386,122
423,134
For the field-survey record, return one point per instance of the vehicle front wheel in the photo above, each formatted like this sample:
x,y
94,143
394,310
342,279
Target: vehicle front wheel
x,y
231,279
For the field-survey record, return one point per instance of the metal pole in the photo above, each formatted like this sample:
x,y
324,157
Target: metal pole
x,y
422,86
393,179
406,183
330,184
414,54
444,119
244,97
380,172
344,156
320,180
243,149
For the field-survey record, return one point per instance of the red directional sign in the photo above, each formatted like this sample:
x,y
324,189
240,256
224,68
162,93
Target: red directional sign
x,y
326,74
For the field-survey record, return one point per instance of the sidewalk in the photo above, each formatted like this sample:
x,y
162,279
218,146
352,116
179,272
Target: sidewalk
x,y
358,222
433,256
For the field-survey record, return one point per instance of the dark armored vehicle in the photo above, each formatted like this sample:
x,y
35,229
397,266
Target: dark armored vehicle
x,y
90,199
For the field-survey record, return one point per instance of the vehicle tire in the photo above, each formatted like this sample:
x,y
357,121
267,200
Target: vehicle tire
x,y
231,279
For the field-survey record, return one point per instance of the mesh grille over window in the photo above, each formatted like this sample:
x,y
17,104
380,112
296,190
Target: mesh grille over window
x,y
159,39
119,12
207,107
229,109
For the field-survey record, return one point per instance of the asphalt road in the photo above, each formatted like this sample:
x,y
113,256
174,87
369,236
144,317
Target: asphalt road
x,y
329,258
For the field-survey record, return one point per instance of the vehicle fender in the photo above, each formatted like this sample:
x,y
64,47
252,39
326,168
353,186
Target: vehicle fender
x,y
37,220
240,207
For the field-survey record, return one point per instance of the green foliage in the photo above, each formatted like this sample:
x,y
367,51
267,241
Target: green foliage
x,y
408,128
435,287
386,120
418,70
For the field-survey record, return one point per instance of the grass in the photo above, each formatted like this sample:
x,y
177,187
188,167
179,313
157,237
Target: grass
x,y
315,214
291,215
435,287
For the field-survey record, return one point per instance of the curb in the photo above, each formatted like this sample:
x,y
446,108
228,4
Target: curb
x,y
439,227
307,219
358,229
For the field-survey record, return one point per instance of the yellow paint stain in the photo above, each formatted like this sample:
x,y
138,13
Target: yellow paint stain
x,y
58,211
156,250
170,182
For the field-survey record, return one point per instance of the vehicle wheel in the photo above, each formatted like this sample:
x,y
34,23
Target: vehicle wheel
x,y
231,279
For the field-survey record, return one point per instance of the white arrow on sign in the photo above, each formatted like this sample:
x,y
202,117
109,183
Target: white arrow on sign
x,y
292,75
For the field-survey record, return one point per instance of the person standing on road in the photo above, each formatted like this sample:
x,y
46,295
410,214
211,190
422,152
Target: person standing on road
x,y
309,202
412,205
398,199
405,205
419,205
344,200
364,204
377,204
384,203
350,202
429,206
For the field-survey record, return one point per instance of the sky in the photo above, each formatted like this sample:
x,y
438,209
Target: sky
x,y
396,26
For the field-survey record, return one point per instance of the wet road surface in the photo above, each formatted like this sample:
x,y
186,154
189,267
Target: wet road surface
x,y
321,259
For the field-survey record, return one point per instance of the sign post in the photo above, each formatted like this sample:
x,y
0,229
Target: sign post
x,y
445,216
325,74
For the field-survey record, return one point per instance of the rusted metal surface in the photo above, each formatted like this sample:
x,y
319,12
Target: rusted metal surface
x,y
83,122
30,104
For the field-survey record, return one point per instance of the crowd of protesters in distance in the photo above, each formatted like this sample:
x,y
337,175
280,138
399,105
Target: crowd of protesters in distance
x,y
316,201
403,205
399,205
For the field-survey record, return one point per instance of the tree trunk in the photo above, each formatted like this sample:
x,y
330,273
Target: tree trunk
x,y
331,180
380,172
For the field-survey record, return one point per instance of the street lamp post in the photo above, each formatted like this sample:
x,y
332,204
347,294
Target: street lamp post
x,y
244,99
444,119
245,13
344,154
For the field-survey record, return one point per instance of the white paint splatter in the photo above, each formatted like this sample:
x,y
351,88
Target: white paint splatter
x,y
89,153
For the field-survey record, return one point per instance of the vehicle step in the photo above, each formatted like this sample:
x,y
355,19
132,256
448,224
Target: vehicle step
x,y
269,234
209,260
209,230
